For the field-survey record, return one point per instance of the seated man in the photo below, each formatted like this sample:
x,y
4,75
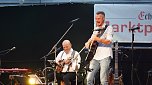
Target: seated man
x,y
67,64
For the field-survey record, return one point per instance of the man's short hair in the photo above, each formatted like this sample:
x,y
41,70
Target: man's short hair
x,y
101,12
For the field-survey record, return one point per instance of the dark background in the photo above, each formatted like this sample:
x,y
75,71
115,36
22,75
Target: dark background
x,y
34,30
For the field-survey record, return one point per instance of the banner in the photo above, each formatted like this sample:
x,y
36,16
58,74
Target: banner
x,y
123,17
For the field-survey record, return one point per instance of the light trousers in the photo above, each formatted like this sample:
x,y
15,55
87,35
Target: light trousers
x,y
103,65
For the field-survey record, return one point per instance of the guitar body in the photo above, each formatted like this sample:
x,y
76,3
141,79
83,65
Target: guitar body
x,y
59,67
94,45
112,81
92,51
110,77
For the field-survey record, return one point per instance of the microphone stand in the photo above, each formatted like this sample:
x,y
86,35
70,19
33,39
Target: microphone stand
x,y
54,47
132,56
55,79
76,70
0,73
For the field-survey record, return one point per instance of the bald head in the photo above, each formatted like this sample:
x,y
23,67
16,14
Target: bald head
x,y
66,45
66,42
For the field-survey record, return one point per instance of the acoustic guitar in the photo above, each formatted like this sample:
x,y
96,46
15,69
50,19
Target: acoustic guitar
x,y
92,50
59,67
93,46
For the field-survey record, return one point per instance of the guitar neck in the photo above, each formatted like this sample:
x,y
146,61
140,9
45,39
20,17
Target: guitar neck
x,y
116,60
117,78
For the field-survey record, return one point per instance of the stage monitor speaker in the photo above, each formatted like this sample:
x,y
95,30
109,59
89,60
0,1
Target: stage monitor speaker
x,y
31,79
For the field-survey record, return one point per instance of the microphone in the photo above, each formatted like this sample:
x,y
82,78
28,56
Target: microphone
x,y
136,28
13,48
100,29
56,50
97,29
74,20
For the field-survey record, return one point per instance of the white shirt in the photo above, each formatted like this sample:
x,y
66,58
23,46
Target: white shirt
x,y
103,50
75,60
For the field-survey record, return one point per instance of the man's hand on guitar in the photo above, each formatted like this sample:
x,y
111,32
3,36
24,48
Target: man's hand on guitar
x,y
94,38
60,62
87,44
68,61
59,66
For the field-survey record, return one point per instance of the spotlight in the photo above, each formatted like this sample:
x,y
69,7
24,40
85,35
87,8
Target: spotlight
x,y
31,79
34,79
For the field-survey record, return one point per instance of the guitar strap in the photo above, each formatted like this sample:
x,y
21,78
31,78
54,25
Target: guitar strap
x,y
62,54
106,26
104,30
72,55
94,46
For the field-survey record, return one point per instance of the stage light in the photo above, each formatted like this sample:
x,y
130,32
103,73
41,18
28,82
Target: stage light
x,y
32,81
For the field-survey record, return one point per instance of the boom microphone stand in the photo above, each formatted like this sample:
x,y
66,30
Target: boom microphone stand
x,y
132,53
3,53
53,48
77,65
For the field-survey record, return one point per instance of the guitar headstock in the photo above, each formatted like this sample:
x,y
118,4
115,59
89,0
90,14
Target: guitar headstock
x,y
116,45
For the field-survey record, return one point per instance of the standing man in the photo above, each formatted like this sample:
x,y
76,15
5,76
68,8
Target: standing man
x,y
68,63
103,52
